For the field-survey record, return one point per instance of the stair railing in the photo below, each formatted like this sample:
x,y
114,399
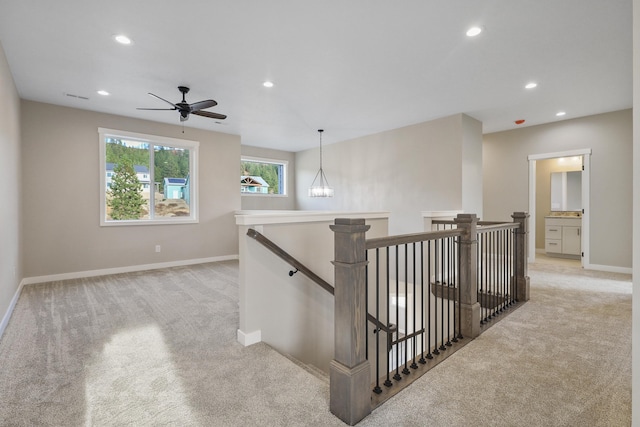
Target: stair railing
x,y
453,282
300,267
435,276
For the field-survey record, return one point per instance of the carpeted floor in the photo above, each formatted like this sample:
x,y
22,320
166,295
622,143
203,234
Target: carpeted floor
x,y
159,348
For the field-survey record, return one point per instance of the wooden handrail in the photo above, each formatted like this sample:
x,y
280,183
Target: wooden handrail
x,y
259,237
498,226
290,260
382,242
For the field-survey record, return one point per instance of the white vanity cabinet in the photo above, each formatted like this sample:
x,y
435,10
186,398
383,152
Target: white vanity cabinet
x,y
563,236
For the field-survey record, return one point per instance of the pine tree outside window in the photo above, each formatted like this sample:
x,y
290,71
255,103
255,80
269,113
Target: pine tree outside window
x,y
259,176
147,179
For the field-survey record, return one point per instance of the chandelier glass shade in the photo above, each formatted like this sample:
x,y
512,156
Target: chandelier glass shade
x,y
320,186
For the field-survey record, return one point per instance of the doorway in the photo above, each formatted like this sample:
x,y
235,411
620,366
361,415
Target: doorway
x,y
585,154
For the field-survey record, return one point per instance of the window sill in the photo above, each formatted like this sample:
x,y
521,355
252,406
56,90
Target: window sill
x,y
125,223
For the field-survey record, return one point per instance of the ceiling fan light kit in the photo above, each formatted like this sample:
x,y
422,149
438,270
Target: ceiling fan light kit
x,y
185,109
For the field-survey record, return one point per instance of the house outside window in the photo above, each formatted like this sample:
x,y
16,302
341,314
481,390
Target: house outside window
x,y
146,179
266,177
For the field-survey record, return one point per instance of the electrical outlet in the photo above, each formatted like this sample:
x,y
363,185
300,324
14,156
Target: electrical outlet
x,y
157,248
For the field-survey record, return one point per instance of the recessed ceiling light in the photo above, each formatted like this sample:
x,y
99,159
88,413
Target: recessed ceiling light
x,y
103,92
531,85
561,113
267,84
122,39
474,31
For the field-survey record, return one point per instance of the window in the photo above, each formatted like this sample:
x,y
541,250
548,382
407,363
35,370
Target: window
x,y
146,179
263,176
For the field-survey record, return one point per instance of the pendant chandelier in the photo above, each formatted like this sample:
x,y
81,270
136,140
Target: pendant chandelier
x,y
320,188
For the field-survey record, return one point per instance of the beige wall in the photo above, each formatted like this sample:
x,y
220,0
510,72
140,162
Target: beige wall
x,y
11,259
293,314
544,169
609,136
636,217
472,166
60,175
403,171
258,202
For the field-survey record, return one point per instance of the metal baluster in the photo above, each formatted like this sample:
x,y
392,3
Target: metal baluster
x,y
505,295
414,347
494,291
437,278
422,360
511,261
479,281
499,271
459,295
377,388
397,344
456,299
429,355
406,309
442,260
498,278
388,349
366,299
516,240
449,273
487,278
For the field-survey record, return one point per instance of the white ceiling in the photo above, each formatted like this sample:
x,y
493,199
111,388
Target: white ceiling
x,y
353,67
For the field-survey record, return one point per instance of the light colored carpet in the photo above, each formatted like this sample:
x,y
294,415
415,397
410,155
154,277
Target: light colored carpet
x,y
159,348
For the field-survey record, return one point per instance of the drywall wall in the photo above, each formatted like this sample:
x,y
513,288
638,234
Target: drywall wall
x,y
471,165
609,136
61,196
403,171
635,386
270,202
10,213
291,313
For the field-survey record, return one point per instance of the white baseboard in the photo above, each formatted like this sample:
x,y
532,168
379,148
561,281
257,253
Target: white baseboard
x,y
250,338
128,269
12,305
609,268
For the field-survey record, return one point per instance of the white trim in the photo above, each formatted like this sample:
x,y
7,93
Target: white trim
x,y
12,305
586,216
284,177
142,137
192,146
586,203
609,268
532,211
128,269
287,217
570,153
247,339
440,214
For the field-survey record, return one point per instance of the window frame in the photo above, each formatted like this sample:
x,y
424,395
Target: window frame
x,y
152,140
283,178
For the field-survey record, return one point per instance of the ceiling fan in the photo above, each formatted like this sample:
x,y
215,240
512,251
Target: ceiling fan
x,y
185,108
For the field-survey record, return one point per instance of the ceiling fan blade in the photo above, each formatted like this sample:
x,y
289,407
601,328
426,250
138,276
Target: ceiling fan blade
x,y
158,109
162,99
210,115
202,105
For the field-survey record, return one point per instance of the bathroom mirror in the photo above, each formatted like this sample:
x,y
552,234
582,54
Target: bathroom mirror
x,y
566,191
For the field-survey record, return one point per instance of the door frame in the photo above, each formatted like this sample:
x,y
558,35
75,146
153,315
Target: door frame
x,y
586,191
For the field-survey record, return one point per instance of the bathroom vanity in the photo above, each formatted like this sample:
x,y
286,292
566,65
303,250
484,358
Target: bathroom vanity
x,y
563,236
